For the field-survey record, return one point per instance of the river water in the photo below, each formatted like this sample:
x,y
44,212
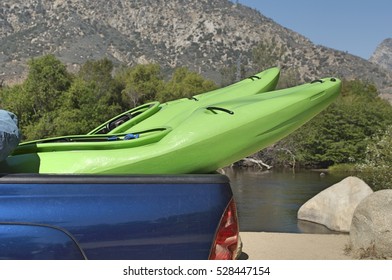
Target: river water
x,y
269,201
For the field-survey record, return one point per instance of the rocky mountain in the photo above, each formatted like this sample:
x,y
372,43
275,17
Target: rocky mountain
x,y
208,36
383,54
383,57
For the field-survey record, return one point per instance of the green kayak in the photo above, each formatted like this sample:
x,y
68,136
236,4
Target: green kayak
x,y
155,113
210,137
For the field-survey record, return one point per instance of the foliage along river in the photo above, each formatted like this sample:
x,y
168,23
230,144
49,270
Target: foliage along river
x,y
269,201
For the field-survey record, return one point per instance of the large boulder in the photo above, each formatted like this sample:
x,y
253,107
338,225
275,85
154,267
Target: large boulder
x,y
371,228
334,207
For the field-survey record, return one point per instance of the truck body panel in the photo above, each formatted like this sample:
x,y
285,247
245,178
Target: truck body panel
x,y
115,217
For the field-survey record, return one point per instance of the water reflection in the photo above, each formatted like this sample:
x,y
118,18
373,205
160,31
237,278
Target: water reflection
x,y
269,201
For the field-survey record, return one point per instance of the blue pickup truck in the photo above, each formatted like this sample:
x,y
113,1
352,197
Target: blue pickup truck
x,y
117,217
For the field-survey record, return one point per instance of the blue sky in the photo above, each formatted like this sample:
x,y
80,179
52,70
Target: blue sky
x,y
357,27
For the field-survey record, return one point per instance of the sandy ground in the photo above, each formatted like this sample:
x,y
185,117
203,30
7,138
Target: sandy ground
x,y
291,246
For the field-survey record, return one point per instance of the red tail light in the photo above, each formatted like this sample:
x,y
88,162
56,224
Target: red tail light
x,y
225,246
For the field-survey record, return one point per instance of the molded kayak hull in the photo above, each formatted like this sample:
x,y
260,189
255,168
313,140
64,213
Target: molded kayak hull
x,y
210,137
155,114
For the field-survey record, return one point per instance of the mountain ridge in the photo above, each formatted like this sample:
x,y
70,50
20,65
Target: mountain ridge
x,y
383,54
206,36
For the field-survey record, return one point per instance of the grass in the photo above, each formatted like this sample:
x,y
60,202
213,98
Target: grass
x,y
344,168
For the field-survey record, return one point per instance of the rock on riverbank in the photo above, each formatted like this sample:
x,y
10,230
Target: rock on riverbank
x,y
335,206
371,229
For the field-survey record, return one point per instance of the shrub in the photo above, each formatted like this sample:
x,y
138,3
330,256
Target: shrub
x,y
376,169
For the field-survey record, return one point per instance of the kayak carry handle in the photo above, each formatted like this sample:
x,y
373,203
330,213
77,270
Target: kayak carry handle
x,y
254,77
317,81
212,109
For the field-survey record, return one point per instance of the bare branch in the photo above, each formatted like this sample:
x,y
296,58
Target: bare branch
x,y
258,162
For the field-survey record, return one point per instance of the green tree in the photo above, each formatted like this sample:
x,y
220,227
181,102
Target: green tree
x,y
83,109
185,83
51,102
36,100
14,100
47,80
100,74
93,98
140,84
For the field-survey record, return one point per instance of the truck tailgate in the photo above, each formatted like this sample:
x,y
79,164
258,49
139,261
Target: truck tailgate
x,y
112,217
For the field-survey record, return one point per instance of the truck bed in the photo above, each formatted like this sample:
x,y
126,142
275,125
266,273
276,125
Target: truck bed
x,y
111,217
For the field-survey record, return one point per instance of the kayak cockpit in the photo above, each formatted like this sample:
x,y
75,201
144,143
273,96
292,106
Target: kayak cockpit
x,y
93,142
126,120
